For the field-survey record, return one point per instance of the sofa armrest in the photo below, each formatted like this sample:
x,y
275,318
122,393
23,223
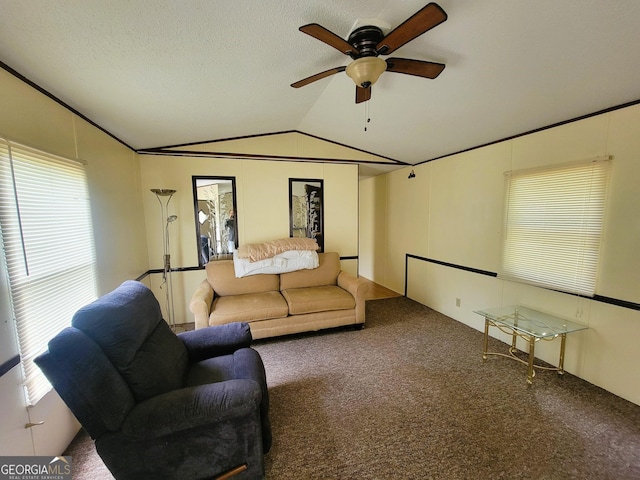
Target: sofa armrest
x,y
217,340
193,407
200,304
358,288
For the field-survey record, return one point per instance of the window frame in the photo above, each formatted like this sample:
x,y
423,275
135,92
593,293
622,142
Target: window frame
x,y
553,225
49,245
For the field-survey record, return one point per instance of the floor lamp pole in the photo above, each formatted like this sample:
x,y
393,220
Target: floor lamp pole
x,y
164,197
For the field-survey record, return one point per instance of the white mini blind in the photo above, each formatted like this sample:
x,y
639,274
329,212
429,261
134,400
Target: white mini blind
x,y
48,240
553,226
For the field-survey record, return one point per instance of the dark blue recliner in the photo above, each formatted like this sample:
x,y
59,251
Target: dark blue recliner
x,y
160,405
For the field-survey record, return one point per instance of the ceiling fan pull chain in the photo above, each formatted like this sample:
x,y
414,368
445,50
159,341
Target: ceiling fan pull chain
x,y
367,117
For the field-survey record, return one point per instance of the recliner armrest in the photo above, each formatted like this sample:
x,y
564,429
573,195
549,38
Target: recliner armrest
x,y
193,407
216,340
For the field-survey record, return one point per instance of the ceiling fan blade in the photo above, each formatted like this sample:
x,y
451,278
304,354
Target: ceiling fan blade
x,y
330,38
418,68
363,94
420,22
317,76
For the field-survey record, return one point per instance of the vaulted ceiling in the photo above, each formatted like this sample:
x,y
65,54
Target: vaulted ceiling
x,y
156,73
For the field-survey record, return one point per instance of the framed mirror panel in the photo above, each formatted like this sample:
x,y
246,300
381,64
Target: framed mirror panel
x,y
216,217
306,209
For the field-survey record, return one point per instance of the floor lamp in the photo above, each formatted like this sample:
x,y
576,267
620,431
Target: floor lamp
x,y
164,197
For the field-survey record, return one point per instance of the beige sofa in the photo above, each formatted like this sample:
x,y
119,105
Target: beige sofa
x,y
281,304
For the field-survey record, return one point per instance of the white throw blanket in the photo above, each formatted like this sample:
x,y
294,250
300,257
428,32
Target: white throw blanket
x,y
284,262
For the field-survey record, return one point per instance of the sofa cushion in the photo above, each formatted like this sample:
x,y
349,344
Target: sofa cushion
x,y
222,278
318,299
326,273
248,308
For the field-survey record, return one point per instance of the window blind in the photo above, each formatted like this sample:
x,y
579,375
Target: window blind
x,y
47,235
553,226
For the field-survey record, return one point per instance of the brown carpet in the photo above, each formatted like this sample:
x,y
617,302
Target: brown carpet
x,y
408,397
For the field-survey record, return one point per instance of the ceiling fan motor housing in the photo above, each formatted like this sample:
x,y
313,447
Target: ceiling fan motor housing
x,y
365,39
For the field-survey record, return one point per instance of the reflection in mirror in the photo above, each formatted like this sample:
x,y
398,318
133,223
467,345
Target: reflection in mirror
x,y
306,209
216,219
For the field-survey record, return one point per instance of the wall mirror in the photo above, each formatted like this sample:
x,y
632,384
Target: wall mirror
x,y
306,209
216,217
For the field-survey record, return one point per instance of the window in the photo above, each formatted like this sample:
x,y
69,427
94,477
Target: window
x,y
553,225
47,236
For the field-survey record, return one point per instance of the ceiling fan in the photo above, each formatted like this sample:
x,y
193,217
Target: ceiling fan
x,y
366,43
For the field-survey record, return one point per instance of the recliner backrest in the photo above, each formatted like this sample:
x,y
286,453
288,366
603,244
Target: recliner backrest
x,y
87,381
127,324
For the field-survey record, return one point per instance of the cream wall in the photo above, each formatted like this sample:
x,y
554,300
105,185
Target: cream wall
x,y
126,213
31,118
262,190
372,233
452,212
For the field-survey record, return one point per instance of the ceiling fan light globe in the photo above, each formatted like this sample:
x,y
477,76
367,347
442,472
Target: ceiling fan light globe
x,y
366,70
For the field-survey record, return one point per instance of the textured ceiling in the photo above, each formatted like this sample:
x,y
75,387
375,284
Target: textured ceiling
x,y
156,73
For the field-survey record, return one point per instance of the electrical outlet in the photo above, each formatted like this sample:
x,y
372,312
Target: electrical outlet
x,y
457,302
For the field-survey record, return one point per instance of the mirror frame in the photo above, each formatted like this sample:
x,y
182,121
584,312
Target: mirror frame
x,y
318,234
194,182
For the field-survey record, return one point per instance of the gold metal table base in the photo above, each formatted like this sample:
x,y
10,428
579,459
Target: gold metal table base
x,y
531,340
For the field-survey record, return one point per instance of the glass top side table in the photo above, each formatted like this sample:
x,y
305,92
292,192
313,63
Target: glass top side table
x,y
524,322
